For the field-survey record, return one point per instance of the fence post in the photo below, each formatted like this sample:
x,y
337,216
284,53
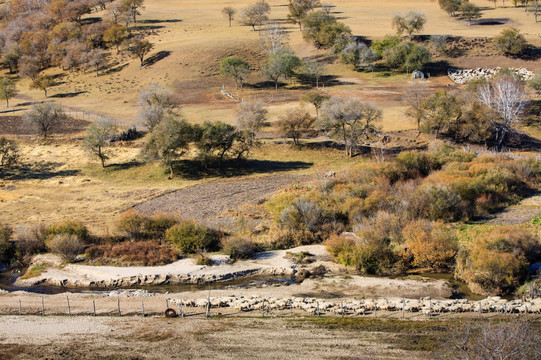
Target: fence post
x,y
403,305
342,307
179,310
42,306
263,308
430,308
479,316
143,307
69,308
317,308
291,308
20,307
94,307
166,304
118,305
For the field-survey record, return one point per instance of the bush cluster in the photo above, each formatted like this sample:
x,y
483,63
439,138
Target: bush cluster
x,y
191,238
137,253
239,248
68,227
138,226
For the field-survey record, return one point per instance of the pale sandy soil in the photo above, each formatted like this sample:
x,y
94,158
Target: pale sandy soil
x,y
189,338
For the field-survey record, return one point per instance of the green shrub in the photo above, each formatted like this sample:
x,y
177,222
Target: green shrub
x,y
68,246
202,259
158,224
191,238
415,163
69,227
239,248
510,42
436,202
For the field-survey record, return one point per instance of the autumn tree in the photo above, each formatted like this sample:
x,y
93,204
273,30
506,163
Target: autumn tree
x,y
451,7
412,22
97,139
298,9
295,124
9,153
281,64
315,98
43,83
230,12
45,117
349,120
323,29
215,139
139,48
132,7
314,70
235,67
115,35
7,89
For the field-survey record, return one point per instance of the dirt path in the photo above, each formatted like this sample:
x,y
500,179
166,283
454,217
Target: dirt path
x,y
213,203
526,210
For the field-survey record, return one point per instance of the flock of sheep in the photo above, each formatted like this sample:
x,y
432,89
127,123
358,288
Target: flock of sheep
x,y
315,306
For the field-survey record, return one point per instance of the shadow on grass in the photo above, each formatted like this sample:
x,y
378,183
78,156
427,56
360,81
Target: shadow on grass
x,y
123,166
159,21
437,68
42,171
68,95
156,57
196,169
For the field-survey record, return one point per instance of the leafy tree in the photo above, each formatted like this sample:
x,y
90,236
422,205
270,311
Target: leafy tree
x,y
45,117
230,12
313,70
510,42
215,139
282,63
98,136
388,42
43,83
323,29
438,113
10,58
235,67
9,153
155,104
412,22
406,56
469,11
170,140
256,14
349,120
96,58
295,124
139,48
115,35
298,10
315,98
450,6
7,89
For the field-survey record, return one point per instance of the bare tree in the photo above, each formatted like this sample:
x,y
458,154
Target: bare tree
x,y
513,340
230,12
274,38
415,98
314,70
256,14
139,48
45,117
349,120
251,116
507,97
98,136
155,104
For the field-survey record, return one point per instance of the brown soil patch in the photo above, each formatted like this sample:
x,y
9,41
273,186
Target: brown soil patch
x,y
15,125
213,203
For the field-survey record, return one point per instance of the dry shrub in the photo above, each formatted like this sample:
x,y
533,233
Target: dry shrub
x,y
497,263
31,239
191,238
302,215
239,248
7,250
430,245
158,224
69,227
436,202
68,246
136,253
131,223
282,239
202,259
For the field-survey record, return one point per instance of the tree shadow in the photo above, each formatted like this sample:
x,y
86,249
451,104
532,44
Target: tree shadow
x,y
10,111
68,95
531,52
160,55
524,142
113,70
90,20
196,169
124,166
40,171
491,21
153,21
437,68
146,27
